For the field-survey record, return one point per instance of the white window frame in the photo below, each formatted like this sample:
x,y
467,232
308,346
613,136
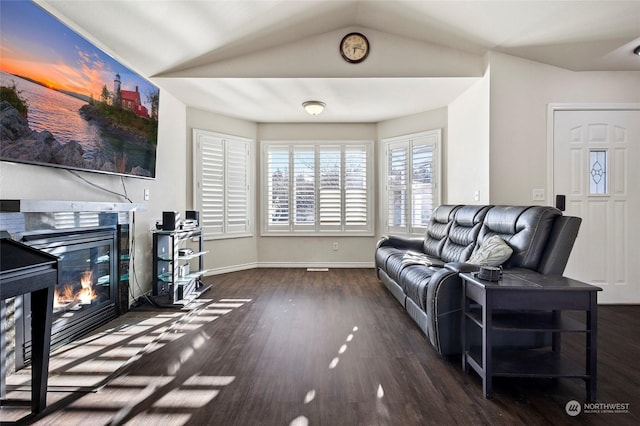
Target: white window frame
x,y
431,138
290,227
236,210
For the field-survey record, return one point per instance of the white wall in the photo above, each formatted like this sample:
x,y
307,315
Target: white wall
x,y
227,254
167,191
467,165
520,93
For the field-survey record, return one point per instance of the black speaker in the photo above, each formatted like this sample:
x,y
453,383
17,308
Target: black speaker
x,y
170,221
193,215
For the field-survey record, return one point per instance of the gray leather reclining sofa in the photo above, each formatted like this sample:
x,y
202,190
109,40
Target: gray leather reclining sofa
x,y
423,273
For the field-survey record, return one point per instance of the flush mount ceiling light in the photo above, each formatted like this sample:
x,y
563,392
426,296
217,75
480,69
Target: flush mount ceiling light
x,y
313,107
637,50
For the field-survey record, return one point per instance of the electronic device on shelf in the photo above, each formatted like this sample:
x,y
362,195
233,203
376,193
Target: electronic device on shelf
x,y
189,224
171,221
185,252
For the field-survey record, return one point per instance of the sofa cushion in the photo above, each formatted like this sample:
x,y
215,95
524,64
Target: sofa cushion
x,y
415,279
383,253
493,252
414,258
397,262
525,228
394,265
438,229
463,233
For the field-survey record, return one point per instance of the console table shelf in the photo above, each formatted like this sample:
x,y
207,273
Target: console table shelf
x,y
528,363
176,283
527,303
529,321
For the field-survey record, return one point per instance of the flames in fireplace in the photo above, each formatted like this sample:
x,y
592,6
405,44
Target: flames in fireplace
x,y
70,297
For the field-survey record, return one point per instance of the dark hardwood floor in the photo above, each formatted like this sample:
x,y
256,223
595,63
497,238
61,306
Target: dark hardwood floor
x,y
291,347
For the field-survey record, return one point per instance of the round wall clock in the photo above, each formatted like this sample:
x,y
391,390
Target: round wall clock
x,y
354,47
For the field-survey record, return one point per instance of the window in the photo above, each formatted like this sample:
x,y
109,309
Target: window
x,y
222,184
598,172
410,181
317,187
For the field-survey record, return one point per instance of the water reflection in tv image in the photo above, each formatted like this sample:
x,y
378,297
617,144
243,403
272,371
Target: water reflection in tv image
x,y
65,103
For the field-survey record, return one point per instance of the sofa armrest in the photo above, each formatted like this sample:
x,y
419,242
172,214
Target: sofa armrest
x,y
459,267
561,240
400,242
444,311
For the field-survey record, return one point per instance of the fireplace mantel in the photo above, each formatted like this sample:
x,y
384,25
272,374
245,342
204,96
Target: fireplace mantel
x,y
36,206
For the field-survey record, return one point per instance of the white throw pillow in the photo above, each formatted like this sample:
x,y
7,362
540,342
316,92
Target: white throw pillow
x,y
493,252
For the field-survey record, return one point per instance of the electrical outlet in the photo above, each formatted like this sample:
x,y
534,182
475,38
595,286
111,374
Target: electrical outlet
x,y
335,246
146,194
476,195
538,195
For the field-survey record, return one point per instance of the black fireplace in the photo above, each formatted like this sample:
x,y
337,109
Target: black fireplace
x,y
92,244
85,296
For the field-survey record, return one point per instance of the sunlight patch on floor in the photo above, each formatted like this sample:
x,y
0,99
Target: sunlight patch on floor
x,y
97,366
112,398
186,398
164,419
209,381
205,318
140,381
310,396
334,363
225,305
299,421
380,392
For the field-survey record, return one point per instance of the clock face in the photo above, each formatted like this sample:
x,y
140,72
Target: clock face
x,y
354,47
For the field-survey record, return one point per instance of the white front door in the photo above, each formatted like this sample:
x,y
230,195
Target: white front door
x,y
596,165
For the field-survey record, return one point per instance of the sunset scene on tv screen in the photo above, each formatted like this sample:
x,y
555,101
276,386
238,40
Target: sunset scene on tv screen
x,y
66,103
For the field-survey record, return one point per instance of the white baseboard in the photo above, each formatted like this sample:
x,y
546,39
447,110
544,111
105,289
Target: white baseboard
x,y
314,265
232,268
303,265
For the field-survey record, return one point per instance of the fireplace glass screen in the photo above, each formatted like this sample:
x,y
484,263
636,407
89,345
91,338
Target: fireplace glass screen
x,y
85,279
85,296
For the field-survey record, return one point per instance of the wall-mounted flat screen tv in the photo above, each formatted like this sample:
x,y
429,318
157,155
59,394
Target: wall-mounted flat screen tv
x,y
66,103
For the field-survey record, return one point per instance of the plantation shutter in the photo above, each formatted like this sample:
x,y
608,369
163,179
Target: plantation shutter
x,y
421,184
330,188
317,187
410,165
222,187
237,184
277,168
397,188
211,183
355,198
304,188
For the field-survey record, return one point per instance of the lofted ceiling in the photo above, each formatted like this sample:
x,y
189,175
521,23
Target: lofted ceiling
x,y
259,60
